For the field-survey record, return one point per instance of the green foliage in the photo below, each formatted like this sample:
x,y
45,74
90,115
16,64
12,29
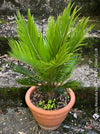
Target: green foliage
x,y
30,76
27,81
72,84
47,106
22,70
54,56
59,90
2,22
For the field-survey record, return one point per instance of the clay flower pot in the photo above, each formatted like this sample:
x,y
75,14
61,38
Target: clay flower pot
x,y
49,120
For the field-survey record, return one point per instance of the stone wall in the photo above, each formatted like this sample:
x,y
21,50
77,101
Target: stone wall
x,y
89,7
44,8
38,7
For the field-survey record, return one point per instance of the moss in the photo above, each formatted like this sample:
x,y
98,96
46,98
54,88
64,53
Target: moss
x,y
89,7
4,47
12,97
2,22
88,51
96,24
85,97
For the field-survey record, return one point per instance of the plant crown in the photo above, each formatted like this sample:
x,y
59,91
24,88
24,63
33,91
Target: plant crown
x,y
52,57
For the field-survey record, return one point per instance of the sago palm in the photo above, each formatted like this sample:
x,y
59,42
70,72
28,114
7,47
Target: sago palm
x,y
52,57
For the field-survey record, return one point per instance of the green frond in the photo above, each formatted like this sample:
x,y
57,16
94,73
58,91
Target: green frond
x,y
54,56
72,84
64,71
22,70
27,81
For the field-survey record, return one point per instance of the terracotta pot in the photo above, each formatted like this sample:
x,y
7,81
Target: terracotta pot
x,y
49,120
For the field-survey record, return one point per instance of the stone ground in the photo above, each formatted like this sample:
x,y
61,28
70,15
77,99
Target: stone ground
x,y
19,120
83,73
7,27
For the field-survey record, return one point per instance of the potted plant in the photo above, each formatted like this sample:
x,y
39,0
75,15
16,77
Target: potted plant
x,y
52,59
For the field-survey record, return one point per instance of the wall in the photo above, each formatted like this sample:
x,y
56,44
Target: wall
x,y
44,8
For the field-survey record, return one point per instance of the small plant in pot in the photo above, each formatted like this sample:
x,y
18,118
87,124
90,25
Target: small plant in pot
x,y
52,59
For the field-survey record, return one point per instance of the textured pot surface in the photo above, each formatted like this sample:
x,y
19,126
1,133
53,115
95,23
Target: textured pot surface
x,y
49,120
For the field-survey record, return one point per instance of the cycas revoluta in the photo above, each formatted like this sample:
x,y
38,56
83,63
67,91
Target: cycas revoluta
x,y
54,56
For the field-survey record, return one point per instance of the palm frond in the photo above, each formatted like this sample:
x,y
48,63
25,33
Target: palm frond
x,y
64,71
72,84
27,81
22,70
52,57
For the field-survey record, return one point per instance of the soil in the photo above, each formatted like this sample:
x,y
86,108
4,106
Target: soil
x,y
41,100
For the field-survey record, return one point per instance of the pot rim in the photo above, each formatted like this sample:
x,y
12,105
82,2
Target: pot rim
x,y
48,112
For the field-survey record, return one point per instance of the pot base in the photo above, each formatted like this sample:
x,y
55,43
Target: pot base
x,y
49,128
